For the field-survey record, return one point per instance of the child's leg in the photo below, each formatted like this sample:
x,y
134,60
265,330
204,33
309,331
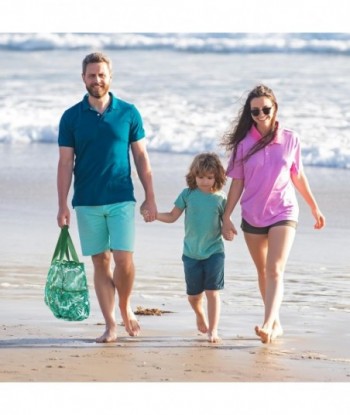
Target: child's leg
x,y
196,302
213,283
214,307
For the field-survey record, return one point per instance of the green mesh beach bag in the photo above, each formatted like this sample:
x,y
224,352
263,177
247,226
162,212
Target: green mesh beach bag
x,y
66,289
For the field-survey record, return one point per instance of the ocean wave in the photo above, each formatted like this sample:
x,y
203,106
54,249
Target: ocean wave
x,y
202,140
324,43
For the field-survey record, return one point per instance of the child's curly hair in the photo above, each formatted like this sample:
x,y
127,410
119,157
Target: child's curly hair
x,y
205,163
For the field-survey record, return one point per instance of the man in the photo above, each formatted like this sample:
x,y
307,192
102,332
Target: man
x,y
94,139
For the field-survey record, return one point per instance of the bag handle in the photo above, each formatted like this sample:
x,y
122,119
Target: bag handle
x,y
65,247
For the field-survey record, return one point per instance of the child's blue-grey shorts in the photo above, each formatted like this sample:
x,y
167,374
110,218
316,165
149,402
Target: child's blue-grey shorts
x,y
204,274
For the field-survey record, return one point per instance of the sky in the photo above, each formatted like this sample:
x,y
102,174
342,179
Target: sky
x,y
174,16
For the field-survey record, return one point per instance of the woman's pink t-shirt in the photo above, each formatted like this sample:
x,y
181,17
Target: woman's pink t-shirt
x,y
268,195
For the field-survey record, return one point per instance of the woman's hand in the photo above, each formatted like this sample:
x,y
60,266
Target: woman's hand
x,y
320,219
228,230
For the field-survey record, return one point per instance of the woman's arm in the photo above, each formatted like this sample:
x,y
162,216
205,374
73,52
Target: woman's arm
x,y
234,194
302,185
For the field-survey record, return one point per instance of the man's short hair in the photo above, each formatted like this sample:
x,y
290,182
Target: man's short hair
x,y
96,57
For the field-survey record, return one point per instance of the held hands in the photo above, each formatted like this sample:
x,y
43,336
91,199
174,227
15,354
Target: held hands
x,y
228,230
145,214
149,211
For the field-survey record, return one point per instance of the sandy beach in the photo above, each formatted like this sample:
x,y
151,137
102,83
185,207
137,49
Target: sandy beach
x,y
36,347
42,358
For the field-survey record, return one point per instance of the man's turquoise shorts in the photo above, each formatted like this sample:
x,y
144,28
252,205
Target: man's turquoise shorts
x,y
107,227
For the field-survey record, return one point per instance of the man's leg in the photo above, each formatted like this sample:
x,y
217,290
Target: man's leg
x,y
105,292
123,277
93,234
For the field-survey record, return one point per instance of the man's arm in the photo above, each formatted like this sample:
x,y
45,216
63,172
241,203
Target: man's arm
x,y
64,180
143,167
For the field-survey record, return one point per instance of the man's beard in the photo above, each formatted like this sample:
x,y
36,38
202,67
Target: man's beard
x,y
97,92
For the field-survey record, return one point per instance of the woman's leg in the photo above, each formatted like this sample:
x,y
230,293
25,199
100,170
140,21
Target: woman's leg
x,y
257,246
280,241
270,253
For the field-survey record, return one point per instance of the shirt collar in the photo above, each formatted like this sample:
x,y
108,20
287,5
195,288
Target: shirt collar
x,y
112,106
256,135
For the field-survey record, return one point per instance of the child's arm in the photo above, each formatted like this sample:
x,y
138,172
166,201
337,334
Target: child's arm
x,y
169,217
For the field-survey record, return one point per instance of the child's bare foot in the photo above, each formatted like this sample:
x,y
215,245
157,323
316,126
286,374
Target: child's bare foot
x,y
213,337
264,334
130,323
277,331
109,336
202,324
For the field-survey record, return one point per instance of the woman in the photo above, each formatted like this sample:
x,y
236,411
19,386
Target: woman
x,y
265,167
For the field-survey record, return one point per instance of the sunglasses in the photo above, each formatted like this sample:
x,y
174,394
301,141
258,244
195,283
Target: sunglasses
x,y
256,111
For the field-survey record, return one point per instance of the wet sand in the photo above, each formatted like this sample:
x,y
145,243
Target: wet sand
x,y
36,348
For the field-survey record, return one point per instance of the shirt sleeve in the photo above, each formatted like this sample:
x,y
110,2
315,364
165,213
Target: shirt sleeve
x,y
181,201
65,133
137,131
223,201
297,164
235,168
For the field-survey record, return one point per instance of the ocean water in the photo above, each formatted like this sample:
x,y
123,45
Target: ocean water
x,y
188,89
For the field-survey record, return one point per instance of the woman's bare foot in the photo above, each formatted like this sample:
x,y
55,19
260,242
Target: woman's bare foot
x,y
213,337
264,334
130,323
109,336
277,331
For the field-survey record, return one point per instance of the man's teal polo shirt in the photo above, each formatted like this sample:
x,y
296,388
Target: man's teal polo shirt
x,y
101,142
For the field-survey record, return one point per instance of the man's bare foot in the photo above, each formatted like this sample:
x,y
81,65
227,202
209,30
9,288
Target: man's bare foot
x,y
202,324
277,331
109,336
131,324
264,334
213,337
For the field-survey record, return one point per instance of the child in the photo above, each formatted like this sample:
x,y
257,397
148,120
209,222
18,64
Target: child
x,y
203,252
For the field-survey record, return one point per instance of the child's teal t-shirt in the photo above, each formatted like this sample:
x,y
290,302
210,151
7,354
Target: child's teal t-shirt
x,y
203,213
